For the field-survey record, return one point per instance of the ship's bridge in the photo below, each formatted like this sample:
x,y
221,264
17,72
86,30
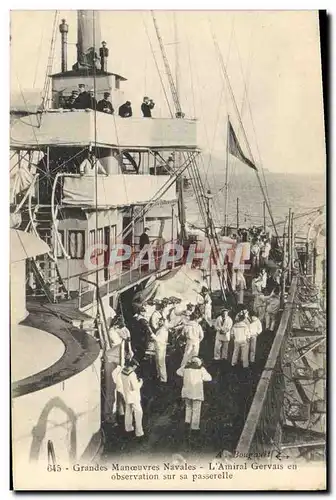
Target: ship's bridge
x,y
83,128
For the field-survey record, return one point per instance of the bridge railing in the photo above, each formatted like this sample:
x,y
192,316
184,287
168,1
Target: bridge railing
x,y
262,429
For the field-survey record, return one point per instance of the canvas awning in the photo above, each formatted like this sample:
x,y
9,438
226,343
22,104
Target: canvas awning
x,y
25,245
116,190
183,283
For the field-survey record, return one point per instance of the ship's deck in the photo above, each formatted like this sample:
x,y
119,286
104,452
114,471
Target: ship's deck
x,y
227,401
81,350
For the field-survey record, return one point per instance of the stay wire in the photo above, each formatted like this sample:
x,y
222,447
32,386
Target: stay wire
x,y
157,68
226,77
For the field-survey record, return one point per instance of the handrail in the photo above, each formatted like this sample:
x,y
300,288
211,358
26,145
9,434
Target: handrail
x,y
28,193
157,257
31,213
53,214
97,299
259,399
100,303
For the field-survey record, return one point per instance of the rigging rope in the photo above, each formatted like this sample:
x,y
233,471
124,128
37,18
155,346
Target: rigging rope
x,y
227,80
246,99
50,61
166,63
157,68
211,231
38,58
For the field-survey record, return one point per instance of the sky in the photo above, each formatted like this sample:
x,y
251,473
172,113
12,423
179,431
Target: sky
x,y
272,59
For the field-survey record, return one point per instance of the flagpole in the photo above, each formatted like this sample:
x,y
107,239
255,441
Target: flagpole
x,y
227,79
226,179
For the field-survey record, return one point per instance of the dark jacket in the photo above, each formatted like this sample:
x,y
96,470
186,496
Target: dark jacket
x,y
103,52
144,240
92,103
125,111
142,335
104,105
83,101
71,103
146,109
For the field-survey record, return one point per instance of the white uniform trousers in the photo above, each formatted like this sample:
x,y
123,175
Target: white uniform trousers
x,y
221,347
191,350
242,349
260,312
240,295
193,413
253,345
270,321
160,358
134,409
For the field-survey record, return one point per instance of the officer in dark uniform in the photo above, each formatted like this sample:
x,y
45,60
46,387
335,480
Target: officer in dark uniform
x,y
83,100
103,53
147,106
70,104
104,105
125,110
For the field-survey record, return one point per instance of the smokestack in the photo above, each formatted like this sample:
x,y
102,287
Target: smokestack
x,y
64,28
88,37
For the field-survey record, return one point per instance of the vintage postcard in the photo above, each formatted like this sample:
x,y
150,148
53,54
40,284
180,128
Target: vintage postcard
x,y
167,250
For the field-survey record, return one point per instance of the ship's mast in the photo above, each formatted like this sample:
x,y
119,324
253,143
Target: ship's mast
x,y
198,184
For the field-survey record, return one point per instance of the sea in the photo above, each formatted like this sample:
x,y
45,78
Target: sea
x,y
304,194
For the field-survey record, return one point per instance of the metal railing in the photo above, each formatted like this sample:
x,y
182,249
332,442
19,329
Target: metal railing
x,y
262,429
126,274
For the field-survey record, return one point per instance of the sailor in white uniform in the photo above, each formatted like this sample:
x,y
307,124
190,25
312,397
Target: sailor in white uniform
x,y
241,336
88,167
132,394
272,310
161,340
206,302
194,335
194,374
255,330
223,325
156,316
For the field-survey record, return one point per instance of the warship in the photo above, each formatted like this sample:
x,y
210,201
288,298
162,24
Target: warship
x,y
64,296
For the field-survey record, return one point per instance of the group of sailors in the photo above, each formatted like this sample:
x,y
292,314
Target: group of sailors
x,y
260,251
85,99
162,323
266,296
170,323
260,244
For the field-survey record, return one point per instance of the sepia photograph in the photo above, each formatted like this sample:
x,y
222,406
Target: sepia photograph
x,y
168,250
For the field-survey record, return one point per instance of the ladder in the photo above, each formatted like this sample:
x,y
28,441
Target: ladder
x,y
208,221
40,281
51,277
168,71
129,161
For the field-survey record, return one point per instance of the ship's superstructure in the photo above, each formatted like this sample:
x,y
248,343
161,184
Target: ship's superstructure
x,y
87,182
83,180
68,205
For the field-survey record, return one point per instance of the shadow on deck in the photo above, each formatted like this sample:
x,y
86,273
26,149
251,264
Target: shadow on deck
x,y
227,401
80,351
